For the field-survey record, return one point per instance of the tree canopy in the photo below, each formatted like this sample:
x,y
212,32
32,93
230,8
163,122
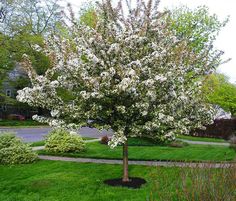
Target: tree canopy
x,y
23,25
131,73
219,91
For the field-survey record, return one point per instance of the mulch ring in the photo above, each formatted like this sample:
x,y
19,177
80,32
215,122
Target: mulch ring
x,y
134,182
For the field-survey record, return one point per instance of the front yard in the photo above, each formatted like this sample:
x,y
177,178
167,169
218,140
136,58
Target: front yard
x,y
166,153
67,181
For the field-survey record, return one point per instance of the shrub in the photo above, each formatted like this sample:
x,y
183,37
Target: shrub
x,y
222,128
177,144
62,141
232,141
14,151
104,140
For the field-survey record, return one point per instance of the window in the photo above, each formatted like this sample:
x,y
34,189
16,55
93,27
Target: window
x,y
8,92
4,108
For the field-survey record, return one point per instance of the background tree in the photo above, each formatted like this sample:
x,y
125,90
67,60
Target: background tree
x,y
196,25
131,73
88,15
25,23
6,63
36,17
219,91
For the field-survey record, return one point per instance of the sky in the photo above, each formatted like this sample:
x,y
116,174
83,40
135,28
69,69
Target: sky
x,y
226,40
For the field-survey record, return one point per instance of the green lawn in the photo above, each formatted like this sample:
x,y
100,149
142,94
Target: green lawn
x,y
17,123
37,144
68,181
202,139
187,153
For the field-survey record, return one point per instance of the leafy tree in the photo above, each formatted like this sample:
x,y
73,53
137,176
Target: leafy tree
x,y
219,91
25,23
36,17
6,62
88,15
197,25
131,73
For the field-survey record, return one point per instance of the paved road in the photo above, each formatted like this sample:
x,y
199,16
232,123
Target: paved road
x,y
37,134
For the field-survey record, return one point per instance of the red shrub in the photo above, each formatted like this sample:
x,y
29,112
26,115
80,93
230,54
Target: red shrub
x,y
104,140
222,128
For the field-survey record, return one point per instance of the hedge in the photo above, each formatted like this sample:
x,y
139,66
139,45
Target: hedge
x,y
222,128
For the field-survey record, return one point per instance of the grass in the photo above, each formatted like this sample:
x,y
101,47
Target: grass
x,y
136,141
202,139
17,123
37,144
186,153
62,181
144,141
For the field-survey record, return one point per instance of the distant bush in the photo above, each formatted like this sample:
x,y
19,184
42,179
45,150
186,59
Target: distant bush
x,y
16,123
14,151
62,141
232,141
104,140
222,128
178,144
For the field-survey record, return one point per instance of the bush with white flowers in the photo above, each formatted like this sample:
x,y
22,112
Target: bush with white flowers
x,y
63,141
14,151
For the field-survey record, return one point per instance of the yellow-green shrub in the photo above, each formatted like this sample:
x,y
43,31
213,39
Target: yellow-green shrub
x,y
61,141
14,151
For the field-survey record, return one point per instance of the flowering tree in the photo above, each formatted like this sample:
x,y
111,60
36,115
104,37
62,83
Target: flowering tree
x,y
130,73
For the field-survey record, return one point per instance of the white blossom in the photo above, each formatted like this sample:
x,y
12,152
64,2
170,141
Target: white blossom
x,y
123,76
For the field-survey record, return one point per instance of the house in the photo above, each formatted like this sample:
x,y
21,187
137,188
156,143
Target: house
x,y
221,113
7,88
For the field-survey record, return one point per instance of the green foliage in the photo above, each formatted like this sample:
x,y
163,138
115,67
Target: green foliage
x,y
219,91
7,100
11,52
197,25
26,24
17,123
5,57
14,151
89,17
61,141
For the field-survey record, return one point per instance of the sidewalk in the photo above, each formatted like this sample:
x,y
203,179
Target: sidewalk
x,y
205,143
146,163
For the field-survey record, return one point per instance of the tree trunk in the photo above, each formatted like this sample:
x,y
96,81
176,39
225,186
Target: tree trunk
x,y
125,162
